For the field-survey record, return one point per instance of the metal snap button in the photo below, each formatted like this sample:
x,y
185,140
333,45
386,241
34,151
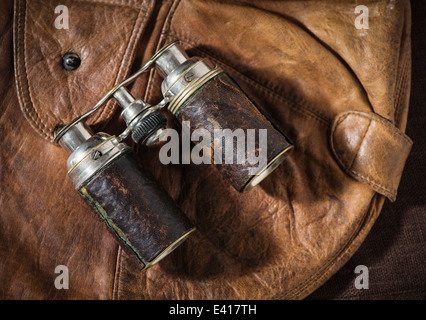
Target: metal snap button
x,y
71,61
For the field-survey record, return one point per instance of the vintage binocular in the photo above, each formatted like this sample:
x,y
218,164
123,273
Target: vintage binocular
x,y
135,208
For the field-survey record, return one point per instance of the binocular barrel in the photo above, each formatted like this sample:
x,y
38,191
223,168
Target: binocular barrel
x,y
207,98
135,208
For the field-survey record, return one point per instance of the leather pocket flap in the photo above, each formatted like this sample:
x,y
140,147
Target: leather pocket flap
x,y
370,149
104,39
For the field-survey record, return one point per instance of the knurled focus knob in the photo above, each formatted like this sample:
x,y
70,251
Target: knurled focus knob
x,y
148,126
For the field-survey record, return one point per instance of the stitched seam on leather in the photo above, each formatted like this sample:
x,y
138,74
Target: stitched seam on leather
x,y
295,105
29,86
394,131
123,3
168,20
399,82
125,61
405,66
384,189
401,86
23,90
166,26
387,190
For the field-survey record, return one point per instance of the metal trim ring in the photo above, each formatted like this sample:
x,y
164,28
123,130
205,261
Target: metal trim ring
x,y
176,104
266,170
89,165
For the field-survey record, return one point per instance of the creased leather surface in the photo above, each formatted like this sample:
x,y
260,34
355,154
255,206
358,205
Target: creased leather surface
x,y
304,64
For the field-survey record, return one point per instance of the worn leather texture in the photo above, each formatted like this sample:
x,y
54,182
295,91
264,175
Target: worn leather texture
x,y
340,93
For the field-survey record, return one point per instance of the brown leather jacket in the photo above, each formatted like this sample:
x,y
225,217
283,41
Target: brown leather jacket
x,y
341,94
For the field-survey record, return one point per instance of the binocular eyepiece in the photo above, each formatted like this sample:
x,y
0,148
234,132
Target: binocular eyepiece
x,y
141,215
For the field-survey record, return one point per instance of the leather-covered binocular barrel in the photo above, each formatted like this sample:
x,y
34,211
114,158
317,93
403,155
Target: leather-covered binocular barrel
x,y
222,104
135,208
207,98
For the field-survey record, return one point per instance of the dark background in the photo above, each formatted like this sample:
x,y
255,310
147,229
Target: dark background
x,y
395,249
